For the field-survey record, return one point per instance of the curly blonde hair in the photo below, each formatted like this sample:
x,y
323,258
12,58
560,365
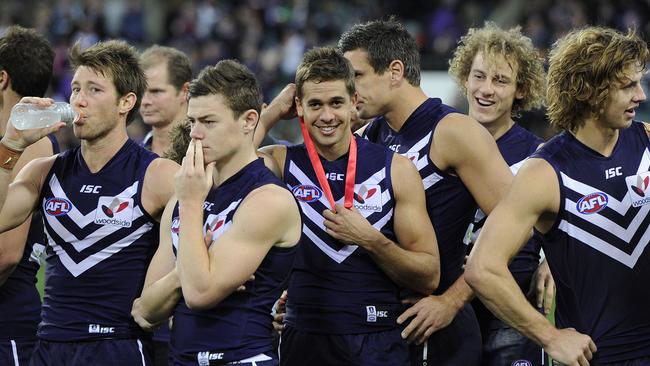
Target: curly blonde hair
x,y
516,48
180,141
584,66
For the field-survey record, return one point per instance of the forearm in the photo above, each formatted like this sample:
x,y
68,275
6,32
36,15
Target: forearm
x,y
414,270
158,300
500,293
193,263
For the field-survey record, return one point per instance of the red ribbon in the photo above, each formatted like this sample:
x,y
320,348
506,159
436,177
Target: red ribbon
x,y
320,172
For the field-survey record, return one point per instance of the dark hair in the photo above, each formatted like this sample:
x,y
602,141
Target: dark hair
x,y
180,140
179,69
117,60
324,64
27,57
384,41
233,81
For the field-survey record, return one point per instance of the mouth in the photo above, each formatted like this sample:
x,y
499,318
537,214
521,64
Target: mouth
x,y
484,102
631,112
328,130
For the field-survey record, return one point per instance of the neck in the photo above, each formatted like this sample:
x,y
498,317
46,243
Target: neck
x,y
160,139
99,151
408,99
229,166
9,99
336,150
498,128
598,138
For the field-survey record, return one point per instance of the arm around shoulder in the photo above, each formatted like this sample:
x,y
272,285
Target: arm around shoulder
x,y
158,186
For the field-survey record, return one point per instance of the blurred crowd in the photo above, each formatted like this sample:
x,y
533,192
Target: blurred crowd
x,y
270,36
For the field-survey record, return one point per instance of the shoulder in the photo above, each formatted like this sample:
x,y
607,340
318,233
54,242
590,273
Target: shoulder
x,y
161,167
269,202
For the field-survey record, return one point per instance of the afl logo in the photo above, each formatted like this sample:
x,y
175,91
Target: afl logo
x,y
307,193
57,206
522,363
592,203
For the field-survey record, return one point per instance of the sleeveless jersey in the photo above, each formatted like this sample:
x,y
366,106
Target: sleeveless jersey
x,y
597,247
240,326
100,243
450,205
20,303
338,288
516,145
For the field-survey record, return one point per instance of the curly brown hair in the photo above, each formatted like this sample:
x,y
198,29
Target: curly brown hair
x,y
180,140
584,66
516,48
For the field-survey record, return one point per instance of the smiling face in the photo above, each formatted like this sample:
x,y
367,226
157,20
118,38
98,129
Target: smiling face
x,y
491,89
624,97
327,108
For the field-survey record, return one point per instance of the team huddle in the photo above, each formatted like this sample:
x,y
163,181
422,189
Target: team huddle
x,y
395,234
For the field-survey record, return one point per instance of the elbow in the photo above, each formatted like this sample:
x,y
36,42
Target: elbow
x,y
475,273
203,300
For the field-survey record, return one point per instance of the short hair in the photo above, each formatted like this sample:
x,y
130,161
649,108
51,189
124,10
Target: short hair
x,y
117,60
584,66
179,69
517,49
233,81
384,41
28,58
324,64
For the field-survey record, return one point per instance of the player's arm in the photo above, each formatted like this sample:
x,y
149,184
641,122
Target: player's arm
x,y
210,275
158,187
504,233
281,107
13,241
162,288
463,146
413,261
274,158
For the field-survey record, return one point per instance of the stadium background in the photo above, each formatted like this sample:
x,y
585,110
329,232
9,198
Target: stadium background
x,y
271,36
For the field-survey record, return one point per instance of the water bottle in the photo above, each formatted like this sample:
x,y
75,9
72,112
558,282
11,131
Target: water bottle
x,y
25,115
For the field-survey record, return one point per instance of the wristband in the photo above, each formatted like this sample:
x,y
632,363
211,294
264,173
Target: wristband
x,y
8,157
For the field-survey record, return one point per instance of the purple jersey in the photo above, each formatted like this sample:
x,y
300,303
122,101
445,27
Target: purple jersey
x,y
337,288
596,248
240,326
100,243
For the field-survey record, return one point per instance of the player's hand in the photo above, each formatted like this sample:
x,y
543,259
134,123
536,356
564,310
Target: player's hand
x,y
139,319
542,288
350,227
193,180
571,348
283,106
279,310
428,315
19,139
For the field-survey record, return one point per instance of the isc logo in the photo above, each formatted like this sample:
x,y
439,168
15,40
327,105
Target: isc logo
x,y
57,206
205,357
592,203
96,328
307,193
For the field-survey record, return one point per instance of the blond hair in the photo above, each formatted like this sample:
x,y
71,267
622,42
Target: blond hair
x,y
517,49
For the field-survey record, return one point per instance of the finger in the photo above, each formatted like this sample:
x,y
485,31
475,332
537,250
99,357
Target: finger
x,y
329,215
251,278
241,288
548,301
207,239
582,361
592,346
406,314
417,331
198,154
208,172
188,161
406,333
425,336
539,292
